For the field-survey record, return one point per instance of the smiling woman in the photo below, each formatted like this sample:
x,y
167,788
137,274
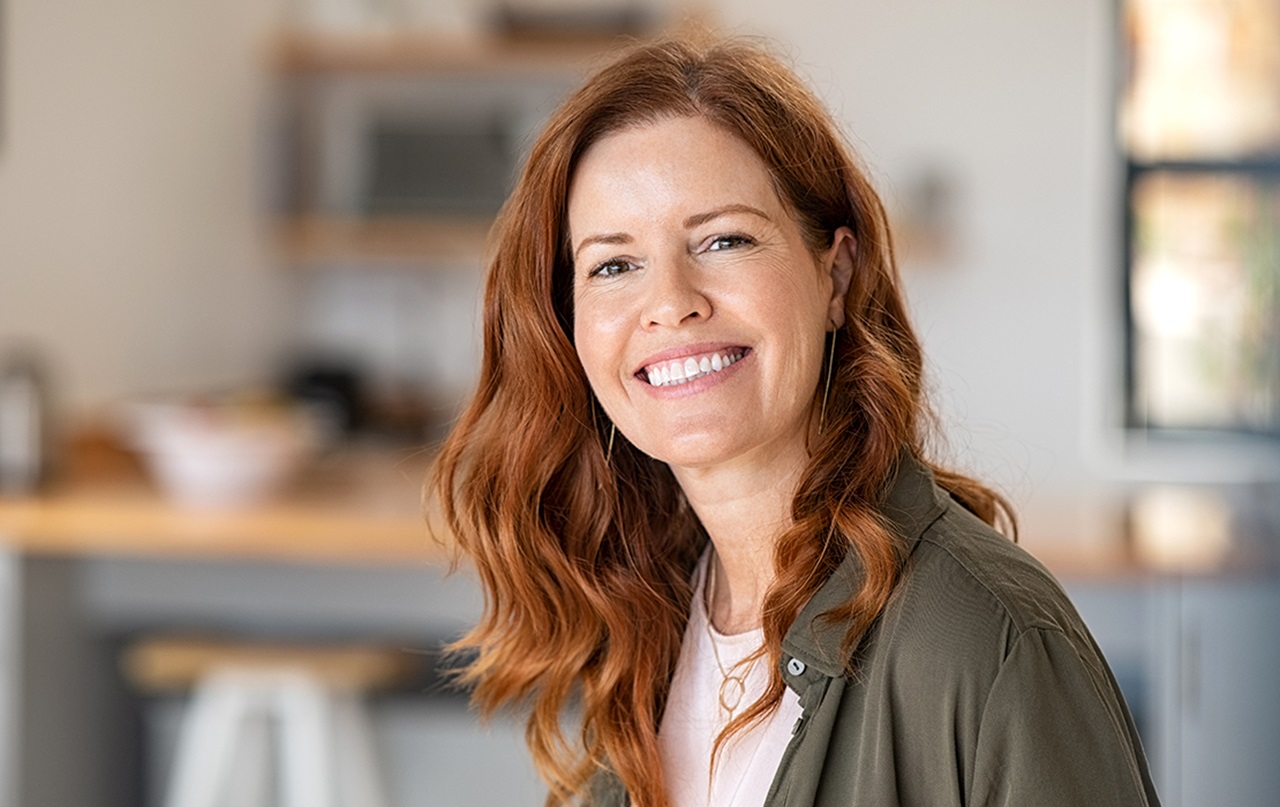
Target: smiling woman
x,y
694,485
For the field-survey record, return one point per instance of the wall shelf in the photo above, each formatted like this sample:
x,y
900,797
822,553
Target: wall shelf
x,y
435,241
307,53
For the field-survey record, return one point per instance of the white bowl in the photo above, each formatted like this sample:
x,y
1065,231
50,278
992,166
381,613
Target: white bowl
x,y
211,457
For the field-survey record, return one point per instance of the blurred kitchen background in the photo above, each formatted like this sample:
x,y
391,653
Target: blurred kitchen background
x,y
241,244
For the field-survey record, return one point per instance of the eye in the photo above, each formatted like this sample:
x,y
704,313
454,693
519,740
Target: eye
x,y
723,242
612,268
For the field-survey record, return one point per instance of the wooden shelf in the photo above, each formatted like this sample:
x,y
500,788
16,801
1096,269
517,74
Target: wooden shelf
x,y
411,241
421,51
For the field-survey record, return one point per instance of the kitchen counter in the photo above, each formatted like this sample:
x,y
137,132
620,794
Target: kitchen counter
x,y
356,504
362,503
1155,533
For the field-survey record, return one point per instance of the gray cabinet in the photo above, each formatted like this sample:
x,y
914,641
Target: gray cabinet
x,y
1199,660
9,684
1226,694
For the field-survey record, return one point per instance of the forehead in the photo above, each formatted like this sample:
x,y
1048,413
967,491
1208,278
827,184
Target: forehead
x,y
672,167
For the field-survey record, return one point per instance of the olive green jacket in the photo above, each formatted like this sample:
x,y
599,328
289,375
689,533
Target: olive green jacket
x,y
978,685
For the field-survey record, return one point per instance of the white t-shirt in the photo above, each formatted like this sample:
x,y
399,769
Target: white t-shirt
x,y
694,717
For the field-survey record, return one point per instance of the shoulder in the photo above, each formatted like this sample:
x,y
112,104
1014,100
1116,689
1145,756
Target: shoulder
x,y
969,594
1013,662
968,561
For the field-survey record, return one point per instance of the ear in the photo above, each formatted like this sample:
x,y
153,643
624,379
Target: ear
x,y
839,263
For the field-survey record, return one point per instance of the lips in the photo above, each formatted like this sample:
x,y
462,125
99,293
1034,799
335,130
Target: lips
x,y
683,369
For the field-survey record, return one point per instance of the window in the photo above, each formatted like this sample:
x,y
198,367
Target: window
x,y
1200,132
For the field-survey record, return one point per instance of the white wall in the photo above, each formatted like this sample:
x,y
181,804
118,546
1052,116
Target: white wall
x,y
130,249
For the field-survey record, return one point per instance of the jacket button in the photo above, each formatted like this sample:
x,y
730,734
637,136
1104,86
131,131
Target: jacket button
x,y
795,666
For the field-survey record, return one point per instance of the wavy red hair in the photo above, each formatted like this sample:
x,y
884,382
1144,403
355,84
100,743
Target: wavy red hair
x,y
586,562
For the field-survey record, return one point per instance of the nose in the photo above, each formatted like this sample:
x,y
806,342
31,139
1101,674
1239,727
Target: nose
x,y
675,296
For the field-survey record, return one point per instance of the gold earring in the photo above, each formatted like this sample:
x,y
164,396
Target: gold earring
x,y
613,430
826,387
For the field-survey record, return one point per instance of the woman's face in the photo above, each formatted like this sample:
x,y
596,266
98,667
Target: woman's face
x,y
699,312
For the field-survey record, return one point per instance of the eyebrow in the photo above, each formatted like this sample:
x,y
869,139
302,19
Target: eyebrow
x,y
692,221
703,218
606,238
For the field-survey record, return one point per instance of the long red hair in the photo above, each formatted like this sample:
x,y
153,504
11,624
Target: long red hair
x,y
585,560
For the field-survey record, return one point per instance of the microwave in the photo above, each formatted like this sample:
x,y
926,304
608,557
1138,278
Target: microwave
x,y
410,144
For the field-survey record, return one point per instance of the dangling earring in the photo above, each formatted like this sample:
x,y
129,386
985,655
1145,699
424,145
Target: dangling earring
x,y
613,431
826,387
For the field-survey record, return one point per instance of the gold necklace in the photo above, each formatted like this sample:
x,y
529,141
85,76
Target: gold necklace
x,y
732,687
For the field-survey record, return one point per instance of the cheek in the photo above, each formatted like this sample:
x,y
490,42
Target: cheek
x,y
595,339
592,364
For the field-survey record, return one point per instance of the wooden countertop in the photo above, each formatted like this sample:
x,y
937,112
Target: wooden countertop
x,y
358,504
362,504
1149,533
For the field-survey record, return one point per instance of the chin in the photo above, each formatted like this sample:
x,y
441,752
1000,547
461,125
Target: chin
x,y
692,452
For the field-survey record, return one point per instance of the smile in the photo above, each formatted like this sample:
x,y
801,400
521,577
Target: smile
x,y
690,368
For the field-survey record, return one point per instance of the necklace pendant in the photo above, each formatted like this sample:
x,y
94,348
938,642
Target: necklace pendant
x,y
732,688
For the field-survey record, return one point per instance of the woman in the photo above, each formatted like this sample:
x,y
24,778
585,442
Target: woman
x,y
694,485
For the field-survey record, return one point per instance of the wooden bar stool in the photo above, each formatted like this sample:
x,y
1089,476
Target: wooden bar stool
x,y
323,755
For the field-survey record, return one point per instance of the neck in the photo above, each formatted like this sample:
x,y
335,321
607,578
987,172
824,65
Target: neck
x,y
744,510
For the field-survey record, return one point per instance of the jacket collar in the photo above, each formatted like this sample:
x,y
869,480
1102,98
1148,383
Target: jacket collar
x,y
911,504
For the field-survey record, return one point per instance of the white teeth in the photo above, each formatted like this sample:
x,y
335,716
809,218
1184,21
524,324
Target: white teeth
x,y
682,371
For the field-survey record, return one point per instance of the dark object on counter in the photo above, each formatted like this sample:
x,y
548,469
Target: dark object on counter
x,y
520,21
24,423
334,390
